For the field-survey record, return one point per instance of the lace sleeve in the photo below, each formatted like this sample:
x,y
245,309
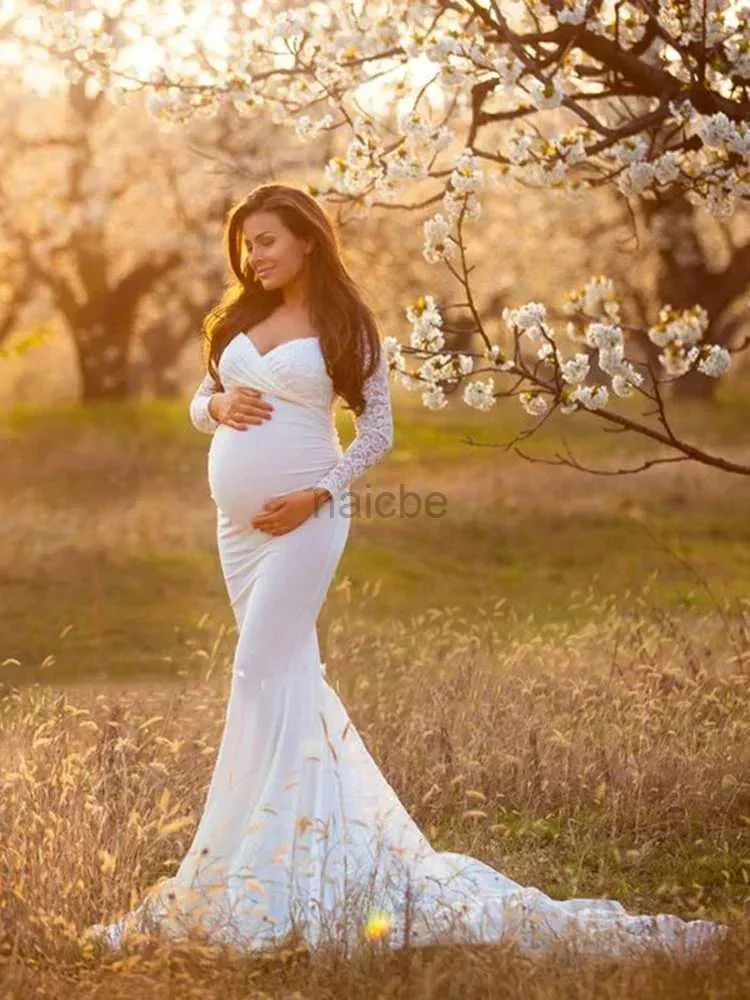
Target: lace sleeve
x,y
374,428
199,414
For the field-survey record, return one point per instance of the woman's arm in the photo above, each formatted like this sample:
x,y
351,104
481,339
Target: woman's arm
x,y
374,429
199,412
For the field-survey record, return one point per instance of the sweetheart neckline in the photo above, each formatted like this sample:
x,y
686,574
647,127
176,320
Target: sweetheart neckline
x,y
277,347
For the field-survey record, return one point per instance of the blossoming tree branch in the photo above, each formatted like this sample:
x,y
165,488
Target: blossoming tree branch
x,y
443,103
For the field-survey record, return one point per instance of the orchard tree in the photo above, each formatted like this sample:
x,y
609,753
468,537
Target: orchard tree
x,y
440,103
699,259
87,227
109,222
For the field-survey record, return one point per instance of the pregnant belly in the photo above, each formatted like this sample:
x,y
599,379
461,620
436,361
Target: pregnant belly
x,y
291,451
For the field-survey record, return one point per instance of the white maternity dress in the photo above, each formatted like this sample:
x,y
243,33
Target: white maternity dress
x,y
300,828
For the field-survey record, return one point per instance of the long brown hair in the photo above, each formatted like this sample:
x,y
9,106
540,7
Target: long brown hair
x,y
346,325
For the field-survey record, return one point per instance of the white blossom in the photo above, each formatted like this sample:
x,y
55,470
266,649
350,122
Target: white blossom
x,y
427,338
545,350
405,165
519,145
612,361
639,177
573,13
426,334
533,402
543,175
597,297
531,320
568,403
715,362
480,394
605,336
667,167
632,149
716,130
469,204
593,397
621,386
676,360
466,174
434,398
424,310
544,93
576,369
439,49
394,352
413,123
680,327
438,245
289,23
443,138
451,76
495,355
305,126
506,65
438,368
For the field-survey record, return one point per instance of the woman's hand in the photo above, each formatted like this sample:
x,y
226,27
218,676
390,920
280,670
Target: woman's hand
x,y
239,407
282,514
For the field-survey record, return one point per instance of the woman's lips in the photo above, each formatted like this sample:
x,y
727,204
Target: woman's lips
x,y
264,272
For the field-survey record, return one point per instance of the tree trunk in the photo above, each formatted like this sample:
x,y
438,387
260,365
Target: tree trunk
x,y
104,371
683,279
164,383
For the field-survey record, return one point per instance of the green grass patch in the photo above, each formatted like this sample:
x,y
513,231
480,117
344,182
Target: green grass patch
x,y
104,608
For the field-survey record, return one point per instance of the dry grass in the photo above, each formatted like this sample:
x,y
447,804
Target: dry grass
x,y
607,756
608,761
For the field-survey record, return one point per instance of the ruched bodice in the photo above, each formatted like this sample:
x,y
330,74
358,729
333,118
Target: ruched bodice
x,y
295,448
295,371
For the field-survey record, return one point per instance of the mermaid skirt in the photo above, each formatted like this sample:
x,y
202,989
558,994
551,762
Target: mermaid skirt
x,y
301,832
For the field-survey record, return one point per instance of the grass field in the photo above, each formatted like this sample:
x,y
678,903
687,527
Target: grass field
x,y
585,641
109,561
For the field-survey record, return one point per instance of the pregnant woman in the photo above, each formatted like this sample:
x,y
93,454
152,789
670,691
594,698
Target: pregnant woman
x,y
301,835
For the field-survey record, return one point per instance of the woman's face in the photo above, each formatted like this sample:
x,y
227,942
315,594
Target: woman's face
x,y
276,255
